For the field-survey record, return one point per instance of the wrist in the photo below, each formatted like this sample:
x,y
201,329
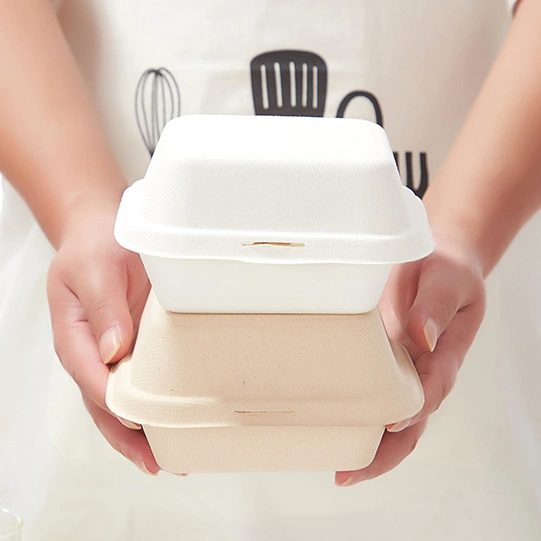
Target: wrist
x,y
485,222
463,232
85,210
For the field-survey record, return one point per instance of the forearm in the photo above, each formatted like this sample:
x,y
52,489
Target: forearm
x,y
490,184
52,149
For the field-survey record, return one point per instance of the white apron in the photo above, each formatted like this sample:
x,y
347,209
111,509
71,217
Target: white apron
x,y
413,66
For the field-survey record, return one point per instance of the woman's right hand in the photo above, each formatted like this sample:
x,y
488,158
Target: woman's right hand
x,y
97,291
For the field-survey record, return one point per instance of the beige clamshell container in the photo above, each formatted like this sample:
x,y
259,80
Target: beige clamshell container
x,y
263,392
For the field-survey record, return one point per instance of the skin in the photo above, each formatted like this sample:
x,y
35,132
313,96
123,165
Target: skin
x,y
58,158
487,188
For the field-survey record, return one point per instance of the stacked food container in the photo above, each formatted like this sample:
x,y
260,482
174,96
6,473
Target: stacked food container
x,y
268,242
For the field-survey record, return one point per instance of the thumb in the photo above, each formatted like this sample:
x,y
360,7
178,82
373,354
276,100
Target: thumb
x,y
104,300
442,291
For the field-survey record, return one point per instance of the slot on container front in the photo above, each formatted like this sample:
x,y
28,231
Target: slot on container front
x,y
275,243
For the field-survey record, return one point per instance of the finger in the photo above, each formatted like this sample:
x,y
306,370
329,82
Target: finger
x,y
401,289
130,443
396,302
444,289
393,449
75,343
75,340
103,293
438,371
138,289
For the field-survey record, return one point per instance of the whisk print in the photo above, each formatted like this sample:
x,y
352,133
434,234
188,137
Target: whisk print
x,y
157,100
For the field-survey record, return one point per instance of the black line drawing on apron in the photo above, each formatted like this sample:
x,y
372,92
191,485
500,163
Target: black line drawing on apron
x,y
157,100
418,188
289,83
285,82
361,94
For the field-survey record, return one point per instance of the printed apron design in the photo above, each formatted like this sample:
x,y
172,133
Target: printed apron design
x,y
285,82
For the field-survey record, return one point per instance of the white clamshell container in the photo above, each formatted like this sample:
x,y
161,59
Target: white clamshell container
x,y
263,392
267,214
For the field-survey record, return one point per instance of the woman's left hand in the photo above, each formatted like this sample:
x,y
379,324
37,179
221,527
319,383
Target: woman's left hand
x,y
434,307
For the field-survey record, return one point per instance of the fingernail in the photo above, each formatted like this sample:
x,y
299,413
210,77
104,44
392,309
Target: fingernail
x,y
129,424
397,427
347,482
109,344
354,478
430,331
143,467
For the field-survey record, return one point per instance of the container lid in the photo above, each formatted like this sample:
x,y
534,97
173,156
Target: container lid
x,y
204,370
269,189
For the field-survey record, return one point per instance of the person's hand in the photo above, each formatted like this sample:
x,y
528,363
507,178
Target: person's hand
x,y
434,307
97,291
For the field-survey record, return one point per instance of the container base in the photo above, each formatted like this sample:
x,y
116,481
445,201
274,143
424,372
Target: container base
x,y
209,286
263,448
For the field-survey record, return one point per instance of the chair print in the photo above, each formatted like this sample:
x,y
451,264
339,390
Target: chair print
x,y
289,83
